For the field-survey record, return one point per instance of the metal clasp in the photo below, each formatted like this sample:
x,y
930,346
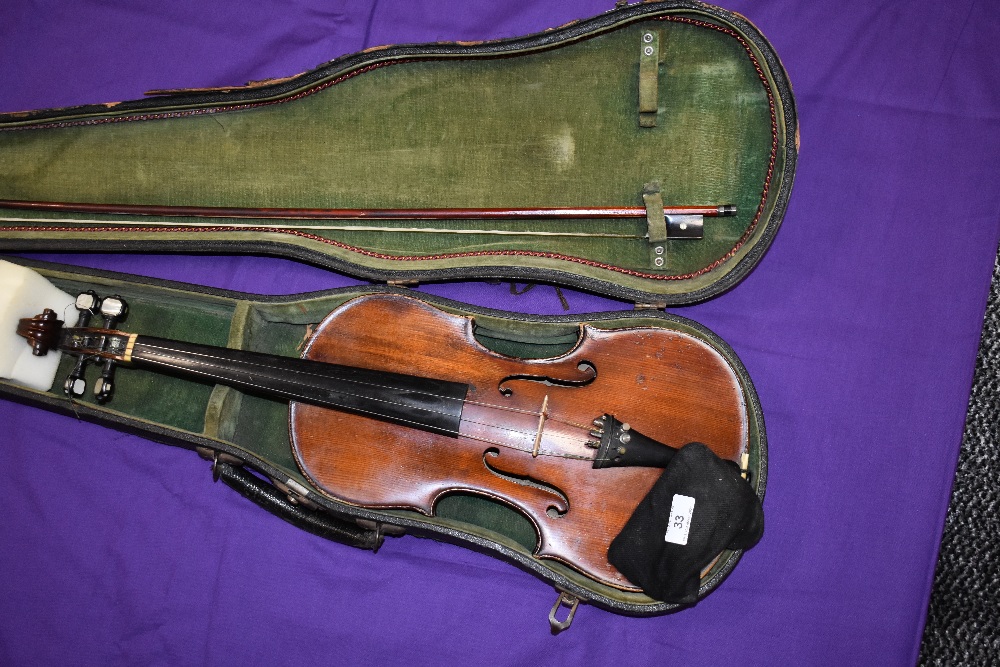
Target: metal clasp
x,y
216,457
564,600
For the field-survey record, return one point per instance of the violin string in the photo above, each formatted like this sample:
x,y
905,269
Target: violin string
x,y
414,424
507,408
166,353
563,436
532,413
529,450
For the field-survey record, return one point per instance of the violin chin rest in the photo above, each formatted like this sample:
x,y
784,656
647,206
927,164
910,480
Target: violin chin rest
x,y
24,293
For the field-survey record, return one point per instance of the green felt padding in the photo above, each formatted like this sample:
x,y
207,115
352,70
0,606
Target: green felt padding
x,y
558,127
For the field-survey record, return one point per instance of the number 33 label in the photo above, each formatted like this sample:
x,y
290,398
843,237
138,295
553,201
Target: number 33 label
x,y
679,524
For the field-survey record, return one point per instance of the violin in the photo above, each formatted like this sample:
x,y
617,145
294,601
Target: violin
x,y
395,404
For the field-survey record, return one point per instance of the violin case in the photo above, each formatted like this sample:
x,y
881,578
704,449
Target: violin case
x,y
648,105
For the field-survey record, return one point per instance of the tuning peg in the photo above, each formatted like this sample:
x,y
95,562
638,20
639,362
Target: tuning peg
x,y
113,308
88,304
105,384
88,301
74,386
103,389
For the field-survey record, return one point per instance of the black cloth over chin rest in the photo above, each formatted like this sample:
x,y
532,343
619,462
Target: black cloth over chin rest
x,y
725,514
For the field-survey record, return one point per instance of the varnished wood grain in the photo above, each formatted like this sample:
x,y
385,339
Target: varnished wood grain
x,y
666,384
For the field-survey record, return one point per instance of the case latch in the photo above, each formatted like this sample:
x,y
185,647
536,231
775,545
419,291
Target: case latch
x,y
564,600
217,457
296,493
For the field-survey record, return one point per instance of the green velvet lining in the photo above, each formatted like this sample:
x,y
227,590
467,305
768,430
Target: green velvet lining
x,y
556,127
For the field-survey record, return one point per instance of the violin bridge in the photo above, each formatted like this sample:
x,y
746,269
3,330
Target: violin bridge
x,y
542,416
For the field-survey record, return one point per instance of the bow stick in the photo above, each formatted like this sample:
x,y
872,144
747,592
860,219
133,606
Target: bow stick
x,y
561,213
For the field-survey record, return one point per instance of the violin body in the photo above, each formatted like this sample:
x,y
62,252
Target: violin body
x,y
671,386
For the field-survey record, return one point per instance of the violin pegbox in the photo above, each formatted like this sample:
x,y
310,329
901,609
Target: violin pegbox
x,y
113,309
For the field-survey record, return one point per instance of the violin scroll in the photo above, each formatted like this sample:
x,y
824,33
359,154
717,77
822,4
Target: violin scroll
x,y
41,331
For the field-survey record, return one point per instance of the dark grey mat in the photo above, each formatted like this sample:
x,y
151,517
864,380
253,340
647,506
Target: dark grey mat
x,y
963,621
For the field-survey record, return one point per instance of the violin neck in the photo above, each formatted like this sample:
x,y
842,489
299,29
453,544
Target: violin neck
x,y
421,403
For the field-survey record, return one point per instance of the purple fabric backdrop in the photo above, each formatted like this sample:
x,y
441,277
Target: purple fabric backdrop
x,y
859,329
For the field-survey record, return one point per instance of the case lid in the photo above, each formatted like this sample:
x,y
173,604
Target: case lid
x,y
557,157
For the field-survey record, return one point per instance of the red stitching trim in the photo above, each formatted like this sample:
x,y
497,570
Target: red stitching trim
x,y
481,253
774,139
321,239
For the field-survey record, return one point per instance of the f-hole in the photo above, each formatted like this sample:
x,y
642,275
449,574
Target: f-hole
x,y
586,368
560,504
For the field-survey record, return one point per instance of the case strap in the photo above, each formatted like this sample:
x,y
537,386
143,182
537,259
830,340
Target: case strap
x,y
316,522
649,77
656,224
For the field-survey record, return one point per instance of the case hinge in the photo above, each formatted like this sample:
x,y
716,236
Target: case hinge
x,y
656,305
